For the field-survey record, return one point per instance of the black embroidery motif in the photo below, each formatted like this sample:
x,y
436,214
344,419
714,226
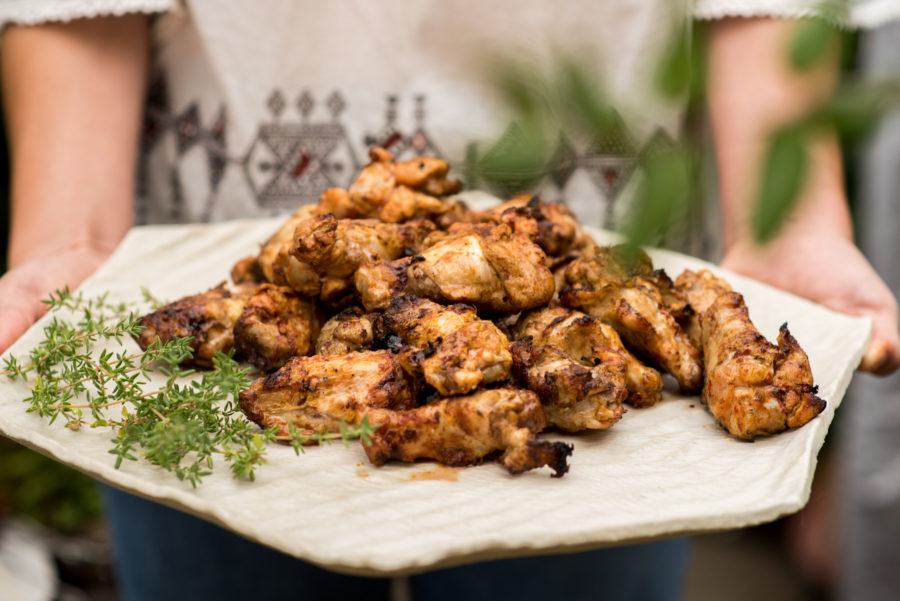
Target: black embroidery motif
x,y
293,158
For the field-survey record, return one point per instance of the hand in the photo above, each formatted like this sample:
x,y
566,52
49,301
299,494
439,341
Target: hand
x,y
831,271
23,288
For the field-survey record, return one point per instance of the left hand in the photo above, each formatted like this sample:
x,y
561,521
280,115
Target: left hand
x,y
829,270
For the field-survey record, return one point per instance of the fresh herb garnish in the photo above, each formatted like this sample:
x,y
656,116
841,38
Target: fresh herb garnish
x,y
178,419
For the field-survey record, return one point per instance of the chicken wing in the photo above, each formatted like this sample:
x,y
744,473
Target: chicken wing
x,y
588,341
393,191
314,394
753,388
498,271
455,349
463,430
351,330
574,397
623,294
550,225
275,325
278,266
335,248
208,318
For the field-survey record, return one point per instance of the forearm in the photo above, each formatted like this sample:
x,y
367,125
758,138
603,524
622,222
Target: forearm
x,y
73,96
753,91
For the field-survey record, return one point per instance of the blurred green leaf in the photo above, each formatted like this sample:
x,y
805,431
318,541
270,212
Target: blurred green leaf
x,y
812,43
666,188
673,76
784,171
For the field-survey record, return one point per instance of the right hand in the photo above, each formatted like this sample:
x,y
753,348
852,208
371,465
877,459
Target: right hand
x,y
23,287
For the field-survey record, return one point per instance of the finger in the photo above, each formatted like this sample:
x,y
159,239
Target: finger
x,y
16,320
881,358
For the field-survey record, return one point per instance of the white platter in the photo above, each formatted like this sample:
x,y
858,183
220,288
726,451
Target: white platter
x,y
660,472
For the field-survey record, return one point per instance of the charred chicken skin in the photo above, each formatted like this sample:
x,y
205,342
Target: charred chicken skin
x,y
455,349
552,226
335,248
625,295
462,430
275,325
495,270
393,191
588,341
314,394
574,397
278,266
208,318
753,388
349,331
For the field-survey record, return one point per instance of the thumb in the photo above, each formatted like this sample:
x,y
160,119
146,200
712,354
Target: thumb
x,y
16,318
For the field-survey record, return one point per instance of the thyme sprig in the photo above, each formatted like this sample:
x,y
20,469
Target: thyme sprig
x,y
178,419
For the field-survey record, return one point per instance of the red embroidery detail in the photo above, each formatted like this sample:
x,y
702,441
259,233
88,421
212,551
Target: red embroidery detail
x,y
301,166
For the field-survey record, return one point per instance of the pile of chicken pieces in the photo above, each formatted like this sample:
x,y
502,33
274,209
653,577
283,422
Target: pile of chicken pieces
x,y
463,334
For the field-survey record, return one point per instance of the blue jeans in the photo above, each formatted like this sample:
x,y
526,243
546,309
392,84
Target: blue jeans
x,y
166,555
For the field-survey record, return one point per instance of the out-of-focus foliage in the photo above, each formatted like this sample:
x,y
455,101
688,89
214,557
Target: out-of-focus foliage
x,y
572,99
51,493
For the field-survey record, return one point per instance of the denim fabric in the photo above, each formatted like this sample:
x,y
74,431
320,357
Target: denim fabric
x,y
164,554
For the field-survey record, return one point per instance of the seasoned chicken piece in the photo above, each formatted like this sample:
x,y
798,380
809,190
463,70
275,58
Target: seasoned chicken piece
x,y
314,394
498,271
378,283
455,349
604,285
574,397
247,271
753,388
588,341
275,325
208,318
279,266
463,430
335,248
393,191
349,331
552,226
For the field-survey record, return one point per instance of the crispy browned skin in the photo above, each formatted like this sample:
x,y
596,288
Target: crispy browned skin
x,y
208,318
462,430
552,226
335,248
349,331
753,388
627,297
575,397
495,270
314,394
587,340
247,271
276,263
393,191
377,283
455,349
275,325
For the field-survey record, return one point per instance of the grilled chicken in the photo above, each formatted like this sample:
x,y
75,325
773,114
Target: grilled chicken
x,y
393,191
276,263
208,318
552,226
349,331
315,394
335,248
495,271
275,325
753,388
602,283
575,397
588,341
455,349
463,430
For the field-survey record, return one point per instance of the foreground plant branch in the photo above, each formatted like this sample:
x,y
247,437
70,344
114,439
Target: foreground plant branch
x,y
82,373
